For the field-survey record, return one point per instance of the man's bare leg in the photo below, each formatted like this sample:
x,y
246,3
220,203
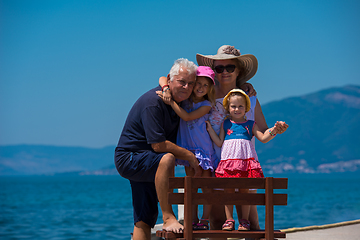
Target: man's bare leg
x,y
164,171
142,231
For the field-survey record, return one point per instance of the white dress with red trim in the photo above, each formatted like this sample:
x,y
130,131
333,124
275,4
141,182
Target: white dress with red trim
x,y
238,155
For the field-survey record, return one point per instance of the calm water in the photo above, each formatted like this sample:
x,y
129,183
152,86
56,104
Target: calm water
x,y
99,207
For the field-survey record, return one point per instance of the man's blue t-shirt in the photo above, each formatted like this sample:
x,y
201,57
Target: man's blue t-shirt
x,y
150,121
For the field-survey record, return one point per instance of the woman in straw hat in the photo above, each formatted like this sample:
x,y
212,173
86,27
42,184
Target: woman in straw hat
x,y
233,70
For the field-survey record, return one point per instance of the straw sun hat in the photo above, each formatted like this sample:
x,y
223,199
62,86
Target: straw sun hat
x,y
248,61
247,99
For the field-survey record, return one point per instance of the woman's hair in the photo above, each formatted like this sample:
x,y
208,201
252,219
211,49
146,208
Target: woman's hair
x,y
242,72
230,96
182,62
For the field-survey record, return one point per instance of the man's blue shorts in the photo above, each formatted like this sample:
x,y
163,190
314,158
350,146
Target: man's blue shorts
x,y
140,168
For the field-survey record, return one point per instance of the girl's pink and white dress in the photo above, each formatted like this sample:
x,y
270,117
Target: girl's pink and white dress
x,y
238,155
218,114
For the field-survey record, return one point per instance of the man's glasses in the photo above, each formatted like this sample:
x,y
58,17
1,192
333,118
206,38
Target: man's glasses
x,y
229,68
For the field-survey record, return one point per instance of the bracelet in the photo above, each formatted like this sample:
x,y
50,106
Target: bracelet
x,y
162,89
272,134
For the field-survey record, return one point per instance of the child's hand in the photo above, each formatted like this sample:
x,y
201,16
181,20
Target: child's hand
x,y
167,95
280,127
208,125
163,96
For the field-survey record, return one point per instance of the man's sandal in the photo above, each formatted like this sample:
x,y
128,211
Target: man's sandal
x,y
229,225
244,225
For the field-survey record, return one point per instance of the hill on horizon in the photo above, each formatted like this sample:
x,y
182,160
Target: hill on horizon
x,y
322,137
40,159
322,133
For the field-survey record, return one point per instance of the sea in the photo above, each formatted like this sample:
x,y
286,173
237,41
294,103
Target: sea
x,y
77,207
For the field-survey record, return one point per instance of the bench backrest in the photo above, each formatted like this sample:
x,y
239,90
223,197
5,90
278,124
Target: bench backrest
x,y
192,197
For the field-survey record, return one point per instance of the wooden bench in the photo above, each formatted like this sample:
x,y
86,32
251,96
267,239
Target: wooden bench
x,y
191,196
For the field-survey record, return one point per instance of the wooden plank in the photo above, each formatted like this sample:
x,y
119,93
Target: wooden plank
x,y
235,234
188,208
269,208
227,198
209,182
176,182
236,199
221,234
251,183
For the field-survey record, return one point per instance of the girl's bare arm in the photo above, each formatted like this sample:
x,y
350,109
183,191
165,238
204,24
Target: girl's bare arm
x,y
198,113
217,139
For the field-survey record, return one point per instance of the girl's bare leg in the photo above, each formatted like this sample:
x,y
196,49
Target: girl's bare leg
x,y
217,217
229,212
245,209
206,208
253,215
229,208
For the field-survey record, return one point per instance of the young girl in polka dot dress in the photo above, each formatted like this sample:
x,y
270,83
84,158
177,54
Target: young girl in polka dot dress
x,y
238,155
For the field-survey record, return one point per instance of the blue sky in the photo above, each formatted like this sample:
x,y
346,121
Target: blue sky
x,y
71,70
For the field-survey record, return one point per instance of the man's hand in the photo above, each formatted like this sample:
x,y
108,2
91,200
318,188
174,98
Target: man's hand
x,y
180,153
194,163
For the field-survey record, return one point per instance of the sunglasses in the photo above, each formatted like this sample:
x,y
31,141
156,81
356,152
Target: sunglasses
x,y
229,68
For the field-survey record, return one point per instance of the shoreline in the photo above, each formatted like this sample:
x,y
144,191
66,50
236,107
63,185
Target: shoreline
x,y
319,227
349,230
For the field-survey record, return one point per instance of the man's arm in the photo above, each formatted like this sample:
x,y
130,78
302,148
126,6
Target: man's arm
x,y
178,152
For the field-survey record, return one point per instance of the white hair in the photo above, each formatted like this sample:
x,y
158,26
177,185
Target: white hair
x,y
190,66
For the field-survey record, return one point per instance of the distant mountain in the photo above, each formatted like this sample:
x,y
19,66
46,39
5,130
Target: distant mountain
x,y
323,133
323,136
34,159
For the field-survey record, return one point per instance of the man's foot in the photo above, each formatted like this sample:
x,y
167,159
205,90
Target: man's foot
x,y
172,225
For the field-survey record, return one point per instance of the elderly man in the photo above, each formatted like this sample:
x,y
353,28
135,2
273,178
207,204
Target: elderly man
x,y
146,151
